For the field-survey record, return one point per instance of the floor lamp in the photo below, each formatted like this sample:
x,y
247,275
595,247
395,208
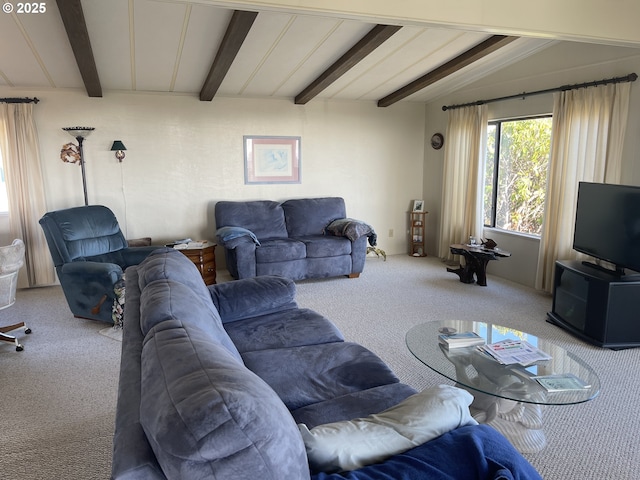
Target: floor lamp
x,y
80,133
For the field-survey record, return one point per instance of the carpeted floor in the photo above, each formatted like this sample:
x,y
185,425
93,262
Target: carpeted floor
x,y
58,395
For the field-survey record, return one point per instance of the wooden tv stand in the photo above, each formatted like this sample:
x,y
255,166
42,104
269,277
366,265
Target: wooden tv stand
x,y
597,306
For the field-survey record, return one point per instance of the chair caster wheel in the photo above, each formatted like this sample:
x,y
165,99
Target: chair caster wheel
x,y
27,331
19,348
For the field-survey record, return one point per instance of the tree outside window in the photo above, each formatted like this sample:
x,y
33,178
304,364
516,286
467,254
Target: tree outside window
x,y
516,174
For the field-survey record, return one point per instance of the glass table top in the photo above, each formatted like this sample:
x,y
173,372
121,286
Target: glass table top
x,y
473,369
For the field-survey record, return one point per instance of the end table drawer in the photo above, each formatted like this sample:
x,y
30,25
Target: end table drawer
x,y
205,260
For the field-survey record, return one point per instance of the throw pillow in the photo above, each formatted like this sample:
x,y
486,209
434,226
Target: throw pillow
x,y
348,445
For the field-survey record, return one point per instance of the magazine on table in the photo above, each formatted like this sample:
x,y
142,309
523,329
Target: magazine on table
x,y
509,352
561,382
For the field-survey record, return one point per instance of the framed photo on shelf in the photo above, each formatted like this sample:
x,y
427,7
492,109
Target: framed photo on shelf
x,y
271,159
418,206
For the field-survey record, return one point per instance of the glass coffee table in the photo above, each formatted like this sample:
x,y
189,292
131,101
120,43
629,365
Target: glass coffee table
x,y
508,397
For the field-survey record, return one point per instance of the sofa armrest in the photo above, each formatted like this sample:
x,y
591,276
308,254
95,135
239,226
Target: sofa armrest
x,y
135,255
101,272
250,297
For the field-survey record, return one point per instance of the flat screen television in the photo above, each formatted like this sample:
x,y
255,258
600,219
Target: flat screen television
x,y
608,224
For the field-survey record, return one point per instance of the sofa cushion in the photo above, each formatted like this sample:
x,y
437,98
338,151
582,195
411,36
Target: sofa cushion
x,y
168,300
288,328
353,405
314,373
280,250
264,218
352,444
324,246
206,416
310,216
253,297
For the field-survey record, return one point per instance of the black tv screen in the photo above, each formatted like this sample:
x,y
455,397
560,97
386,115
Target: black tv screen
x,y
608,224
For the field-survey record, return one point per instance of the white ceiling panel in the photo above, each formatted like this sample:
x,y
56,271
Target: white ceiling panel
x,y
158,33
20,62
422,54
516,51
263,37
108,25
170,45
203,37
296,43
324,54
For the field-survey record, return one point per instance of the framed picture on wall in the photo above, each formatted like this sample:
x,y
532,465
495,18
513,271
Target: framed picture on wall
x,y
418,206
271,159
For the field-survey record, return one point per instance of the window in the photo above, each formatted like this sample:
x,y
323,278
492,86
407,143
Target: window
x,y
516,174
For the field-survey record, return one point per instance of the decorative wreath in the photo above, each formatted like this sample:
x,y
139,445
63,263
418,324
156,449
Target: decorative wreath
x,y
70,153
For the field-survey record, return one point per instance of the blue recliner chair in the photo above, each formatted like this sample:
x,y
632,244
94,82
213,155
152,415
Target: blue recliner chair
x,y
90,254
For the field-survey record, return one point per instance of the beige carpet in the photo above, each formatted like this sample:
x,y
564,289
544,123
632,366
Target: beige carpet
x,y
58,395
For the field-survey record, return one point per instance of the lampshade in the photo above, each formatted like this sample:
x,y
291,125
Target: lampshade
x,y
117,145
79,131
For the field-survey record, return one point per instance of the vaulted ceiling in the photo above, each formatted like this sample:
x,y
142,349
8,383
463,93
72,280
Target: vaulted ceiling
x,y
205,50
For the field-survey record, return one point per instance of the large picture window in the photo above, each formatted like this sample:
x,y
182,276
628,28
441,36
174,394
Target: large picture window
x,y
516,174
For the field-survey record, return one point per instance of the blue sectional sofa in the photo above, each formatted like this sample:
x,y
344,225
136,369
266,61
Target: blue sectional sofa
x,y
298,239
236,381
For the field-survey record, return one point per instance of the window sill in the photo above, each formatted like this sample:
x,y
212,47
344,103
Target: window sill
x,y
510,233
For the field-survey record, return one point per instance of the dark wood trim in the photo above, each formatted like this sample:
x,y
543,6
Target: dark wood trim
x,y
473,54
237,31
372,40
76,27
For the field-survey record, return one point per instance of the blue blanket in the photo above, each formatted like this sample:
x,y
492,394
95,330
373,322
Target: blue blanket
x,y
472,452
352,229
229,237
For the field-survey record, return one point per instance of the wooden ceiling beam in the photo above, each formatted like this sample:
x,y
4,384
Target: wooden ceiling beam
x,y
372,40
76,27
237,31
473,54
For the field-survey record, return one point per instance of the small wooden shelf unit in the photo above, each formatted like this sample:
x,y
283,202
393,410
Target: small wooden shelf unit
x,y
417,242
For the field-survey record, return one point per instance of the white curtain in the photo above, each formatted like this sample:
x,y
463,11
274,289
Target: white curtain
x,y
465,145
25,191
588,132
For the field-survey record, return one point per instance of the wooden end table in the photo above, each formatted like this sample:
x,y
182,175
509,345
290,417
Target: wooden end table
x,y
476,260
205,260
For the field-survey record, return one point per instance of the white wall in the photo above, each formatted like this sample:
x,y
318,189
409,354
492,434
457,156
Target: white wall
x,y
183,155
562,64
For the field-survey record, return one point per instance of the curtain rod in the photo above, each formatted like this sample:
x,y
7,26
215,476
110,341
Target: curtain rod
x,y
632,77
19,100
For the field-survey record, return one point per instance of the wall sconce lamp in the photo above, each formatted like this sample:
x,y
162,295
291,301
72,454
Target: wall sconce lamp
x,y
119,148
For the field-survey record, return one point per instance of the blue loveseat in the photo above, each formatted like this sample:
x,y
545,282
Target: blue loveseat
x,y
298,239
235,381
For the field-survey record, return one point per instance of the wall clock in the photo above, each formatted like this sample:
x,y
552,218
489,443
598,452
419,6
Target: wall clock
x,y
437,141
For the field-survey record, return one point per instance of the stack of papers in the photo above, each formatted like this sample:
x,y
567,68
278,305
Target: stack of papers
x,y
187,243
462,339
510,352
